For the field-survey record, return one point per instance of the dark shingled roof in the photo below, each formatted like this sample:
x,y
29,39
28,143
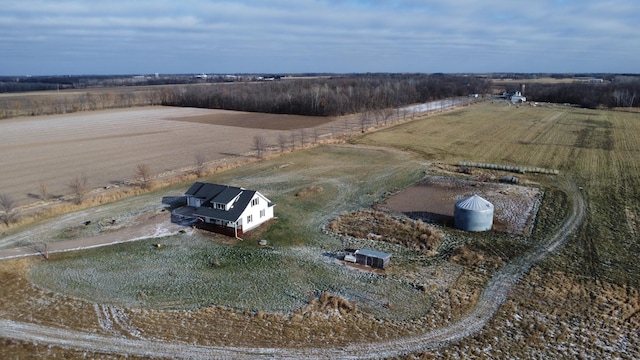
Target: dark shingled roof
x,y
213,193
205,190
222,194
226,195
229,215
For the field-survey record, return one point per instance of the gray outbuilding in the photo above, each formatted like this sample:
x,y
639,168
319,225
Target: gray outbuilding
x,y
377,259
473,214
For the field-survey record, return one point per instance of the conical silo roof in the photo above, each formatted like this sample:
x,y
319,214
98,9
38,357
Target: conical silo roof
x,y
474,203
473,214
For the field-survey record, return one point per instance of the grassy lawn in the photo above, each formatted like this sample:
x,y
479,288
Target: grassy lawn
x,y
196,270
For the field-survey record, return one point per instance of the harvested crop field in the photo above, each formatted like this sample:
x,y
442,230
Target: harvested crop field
x,y
106,146
433,199
257,120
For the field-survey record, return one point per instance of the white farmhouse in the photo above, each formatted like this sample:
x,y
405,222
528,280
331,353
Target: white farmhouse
x,y
224,209
517,97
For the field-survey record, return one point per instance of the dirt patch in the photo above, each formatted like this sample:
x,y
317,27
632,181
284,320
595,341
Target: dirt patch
x,y
258,120
433,199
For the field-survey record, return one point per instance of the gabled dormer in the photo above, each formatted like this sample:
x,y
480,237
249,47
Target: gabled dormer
x,y
225,199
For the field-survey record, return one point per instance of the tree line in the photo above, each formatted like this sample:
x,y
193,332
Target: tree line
x,y
588,95
69,102
10,84
320,96
331,96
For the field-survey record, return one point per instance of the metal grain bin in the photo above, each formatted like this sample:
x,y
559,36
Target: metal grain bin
x,y
473,214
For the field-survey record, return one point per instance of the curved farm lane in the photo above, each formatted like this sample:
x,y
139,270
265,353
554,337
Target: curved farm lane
x,y
488,304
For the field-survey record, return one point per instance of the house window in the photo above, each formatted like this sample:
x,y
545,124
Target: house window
x,y
219,206
255,201
262,213
249,218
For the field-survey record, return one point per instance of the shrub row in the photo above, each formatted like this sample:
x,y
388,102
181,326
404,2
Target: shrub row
x,y
518,169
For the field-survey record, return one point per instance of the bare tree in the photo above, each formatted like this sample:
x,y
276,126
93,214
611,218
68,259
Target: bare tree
x,y
316,136
624,97
293,140
79,187
302,134
8,207
143,172
200,164
260,145
378,115
405,111
364,120
43,191
386,115
282,142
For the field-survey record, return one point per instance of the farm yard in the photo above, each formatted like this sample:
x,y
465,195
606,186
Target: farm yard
x,y
580,299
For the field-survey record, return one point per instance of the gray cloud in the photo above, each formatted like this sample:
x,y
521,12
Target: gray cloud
x,y
45,37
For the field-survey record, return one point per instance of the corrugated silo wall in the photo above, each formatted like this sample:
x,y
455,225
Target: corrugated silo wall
x,y
470,220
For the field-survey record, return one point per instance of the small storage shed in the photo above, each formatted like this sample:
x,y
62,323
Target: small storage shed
x,y
473,214
377,259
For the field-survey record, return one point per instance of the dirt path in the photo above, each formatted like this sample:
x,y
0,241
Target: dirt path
x,y
489,303
157,226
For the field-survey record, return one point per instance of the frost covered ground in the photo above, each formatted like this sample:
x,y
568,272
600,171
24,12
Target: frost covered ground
x,y
515,206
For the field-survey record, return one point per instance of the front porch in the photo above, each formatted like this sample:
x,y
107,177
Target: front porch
x,y
185,216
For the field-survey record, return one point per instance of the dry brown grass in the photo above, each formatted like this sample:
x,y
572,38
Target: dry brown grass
x,y
26,350
552,315
378,225
470,257
20,300
309,191
465,256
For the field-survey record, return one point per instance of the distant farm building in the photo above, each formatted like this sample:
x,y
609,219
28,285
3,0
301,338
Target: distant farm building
x,y
518,97
515,96
473,214
223,209
377,259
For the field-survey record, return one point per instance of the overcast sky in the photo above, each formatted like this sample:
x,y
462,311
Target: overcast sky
x,y
47,37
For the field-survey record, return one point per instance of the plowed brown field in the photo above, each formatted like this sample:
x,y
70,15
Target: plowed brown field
x,y
106,146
